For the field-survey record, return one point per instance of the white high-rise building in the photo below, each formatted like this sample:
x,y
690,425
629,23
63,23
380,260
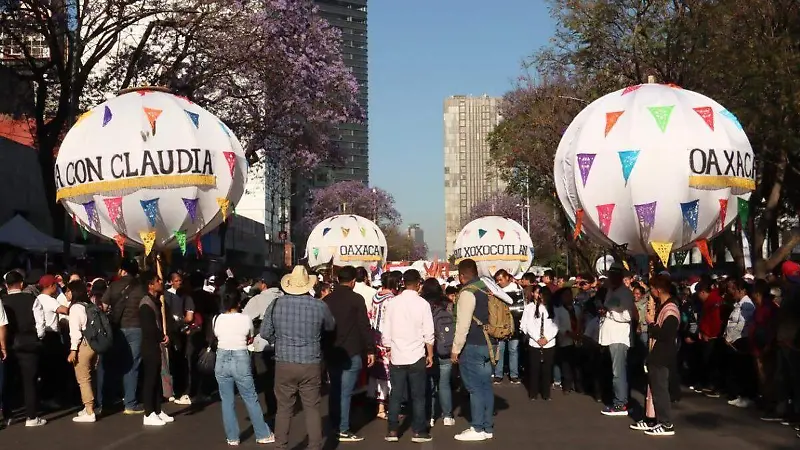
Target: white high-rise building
x,y
469,175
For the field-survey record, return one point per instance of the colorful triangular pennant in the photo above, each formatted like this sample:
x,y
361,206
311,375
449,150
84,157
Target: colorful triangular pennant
x,y
646,213
481,233
662,249
150,208
702,245
690,211
730,116
230,157
585,161
194,117
114,208
743,210
91,212
180,236
315,250
83,117
224,206
325,231
502,234
191,207
120,240
363,231
152,117
198,244
605,213
707,113
628,159
107,116
723,212
345,231
661,114
630,89
611,120
148,239
578,223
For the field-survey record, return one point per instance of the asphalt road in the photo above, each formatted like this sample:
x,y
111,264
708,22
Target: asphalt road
x,y
564,423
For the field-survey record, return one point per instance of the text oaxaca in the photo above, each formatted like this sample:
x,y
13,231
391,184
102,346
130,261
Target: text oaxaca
x,y
147,163
361,250
478,251
721,168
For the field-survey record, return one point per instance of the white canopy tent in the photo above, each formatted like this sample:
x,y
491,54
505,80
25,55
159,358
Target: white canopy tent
x,y
21,233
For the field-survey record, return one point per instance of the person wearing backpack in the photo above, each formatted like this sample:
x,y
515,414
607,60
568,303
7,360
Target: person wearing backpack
x,y
473,350
444,329
82,356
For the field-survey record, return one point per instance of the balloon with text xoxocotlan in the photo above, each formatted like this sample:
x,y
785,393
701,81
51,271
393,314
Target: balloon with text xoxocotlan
x,y
346,240
495,243
150,168
654,168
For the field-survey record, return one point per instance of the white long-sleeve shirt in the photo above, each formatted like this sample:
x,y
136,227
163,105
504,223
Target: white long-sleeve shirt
x,y
532,326
49,306
740,318
407,328
77,323
615,327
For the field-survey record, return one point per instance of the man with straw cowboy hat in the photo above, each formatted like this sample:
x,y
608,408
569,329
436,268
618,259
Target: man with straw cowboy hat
x,y
295,323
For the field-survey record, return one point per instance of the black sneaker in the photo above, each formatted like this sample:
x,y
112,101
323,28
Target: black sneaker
x,y
515,381
661,430
392,436
498,380
349,437
421,438
771,417
643,425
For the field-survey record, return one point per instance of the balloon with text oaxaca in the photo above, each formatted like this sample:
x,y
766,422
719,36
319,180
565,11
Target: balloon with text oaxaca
x,y
495,243
346,240
655,168
150,168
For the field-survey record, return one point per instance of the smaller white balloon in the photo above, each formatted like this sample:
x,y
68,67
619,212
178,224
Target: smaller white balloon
x,y
346,240
495,243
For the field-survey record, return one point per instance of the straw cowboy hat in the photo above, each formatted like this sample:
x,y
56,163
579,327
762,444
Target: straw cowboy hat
x,y
299,282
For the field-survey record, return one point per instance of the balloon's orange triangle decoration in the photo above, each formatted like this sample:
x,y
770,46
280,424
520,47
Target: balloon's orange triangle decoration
x,y
611,120
152,117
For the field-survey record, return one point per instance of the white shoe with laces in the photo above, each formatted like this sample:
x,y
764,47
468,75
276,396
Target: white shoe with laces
x,y
152,420
84,417
470,435
184,400
449,421
165,418
488,435
36,422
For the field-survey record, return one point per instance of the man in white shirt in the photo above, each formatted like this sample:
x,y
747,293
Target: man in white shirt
x,y
363,288
408,336
741,375
615,333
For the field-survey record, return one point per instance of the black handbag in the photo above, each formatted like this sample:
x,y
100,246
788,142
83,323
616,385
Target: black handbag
x,y
207,360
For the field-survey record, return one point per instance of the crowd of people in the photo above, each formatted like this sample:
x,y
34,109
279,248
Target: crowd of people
x,y
407,341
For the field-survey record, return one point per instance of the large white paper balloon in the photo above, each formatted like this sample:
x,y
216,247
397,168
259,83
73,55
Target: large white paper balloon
x,y
346,240
149,161
495,243
654,166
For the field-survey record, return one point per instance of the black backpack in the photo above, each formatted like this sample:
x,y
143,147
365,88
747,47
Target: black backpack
x,y
444,327
98,332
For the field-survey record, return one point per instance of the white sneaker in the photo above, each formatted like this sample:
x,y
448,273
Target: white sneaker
x,y
449,421
171,399
153,420
84,417
734,401
743,403
433,422
165,418
184,400
488,435
470,435
37,422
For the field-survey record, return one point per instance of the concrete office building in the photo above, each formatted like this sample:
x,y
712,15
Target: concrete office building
x,y
469,175
416,234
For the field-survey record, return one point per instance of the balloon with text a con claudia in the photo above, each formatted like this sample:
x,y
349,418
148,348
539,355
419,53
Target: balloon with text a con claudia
x,y
150,168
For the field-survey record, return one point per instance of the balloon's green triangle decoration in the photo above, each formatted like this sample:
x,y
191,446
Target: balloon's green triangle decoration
x,y
316,252
744,211
481,233
661,114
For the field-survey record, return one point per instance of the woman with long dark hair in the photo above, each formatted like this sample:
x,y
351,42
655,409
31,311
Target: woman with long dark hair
x,y
539,325
234,332
439,376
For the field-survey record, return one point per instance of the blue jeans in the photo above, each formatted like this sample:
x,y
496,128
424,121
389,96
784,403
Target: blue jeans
x,y
476,373
402,378
99,380
132,359
439,376
619,369
344,375
513,359
233,368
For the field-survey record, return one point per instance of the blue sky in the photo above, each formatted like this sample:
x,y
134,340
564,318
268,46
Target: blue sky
x,y
420,52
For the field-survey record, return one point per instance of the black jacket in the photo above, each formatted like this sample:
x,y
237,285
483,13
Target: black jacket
x,y
665,347
127,289
22,335
352,335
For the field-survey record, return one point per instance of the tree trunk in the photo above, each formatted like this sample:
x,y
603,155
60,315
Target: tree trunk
x,y
734,245
784,252
769,216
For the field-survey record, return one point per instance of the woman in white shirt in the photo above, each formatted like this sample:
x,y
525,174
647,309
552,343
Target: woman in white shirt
x,y
234,332
539,325
81,356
